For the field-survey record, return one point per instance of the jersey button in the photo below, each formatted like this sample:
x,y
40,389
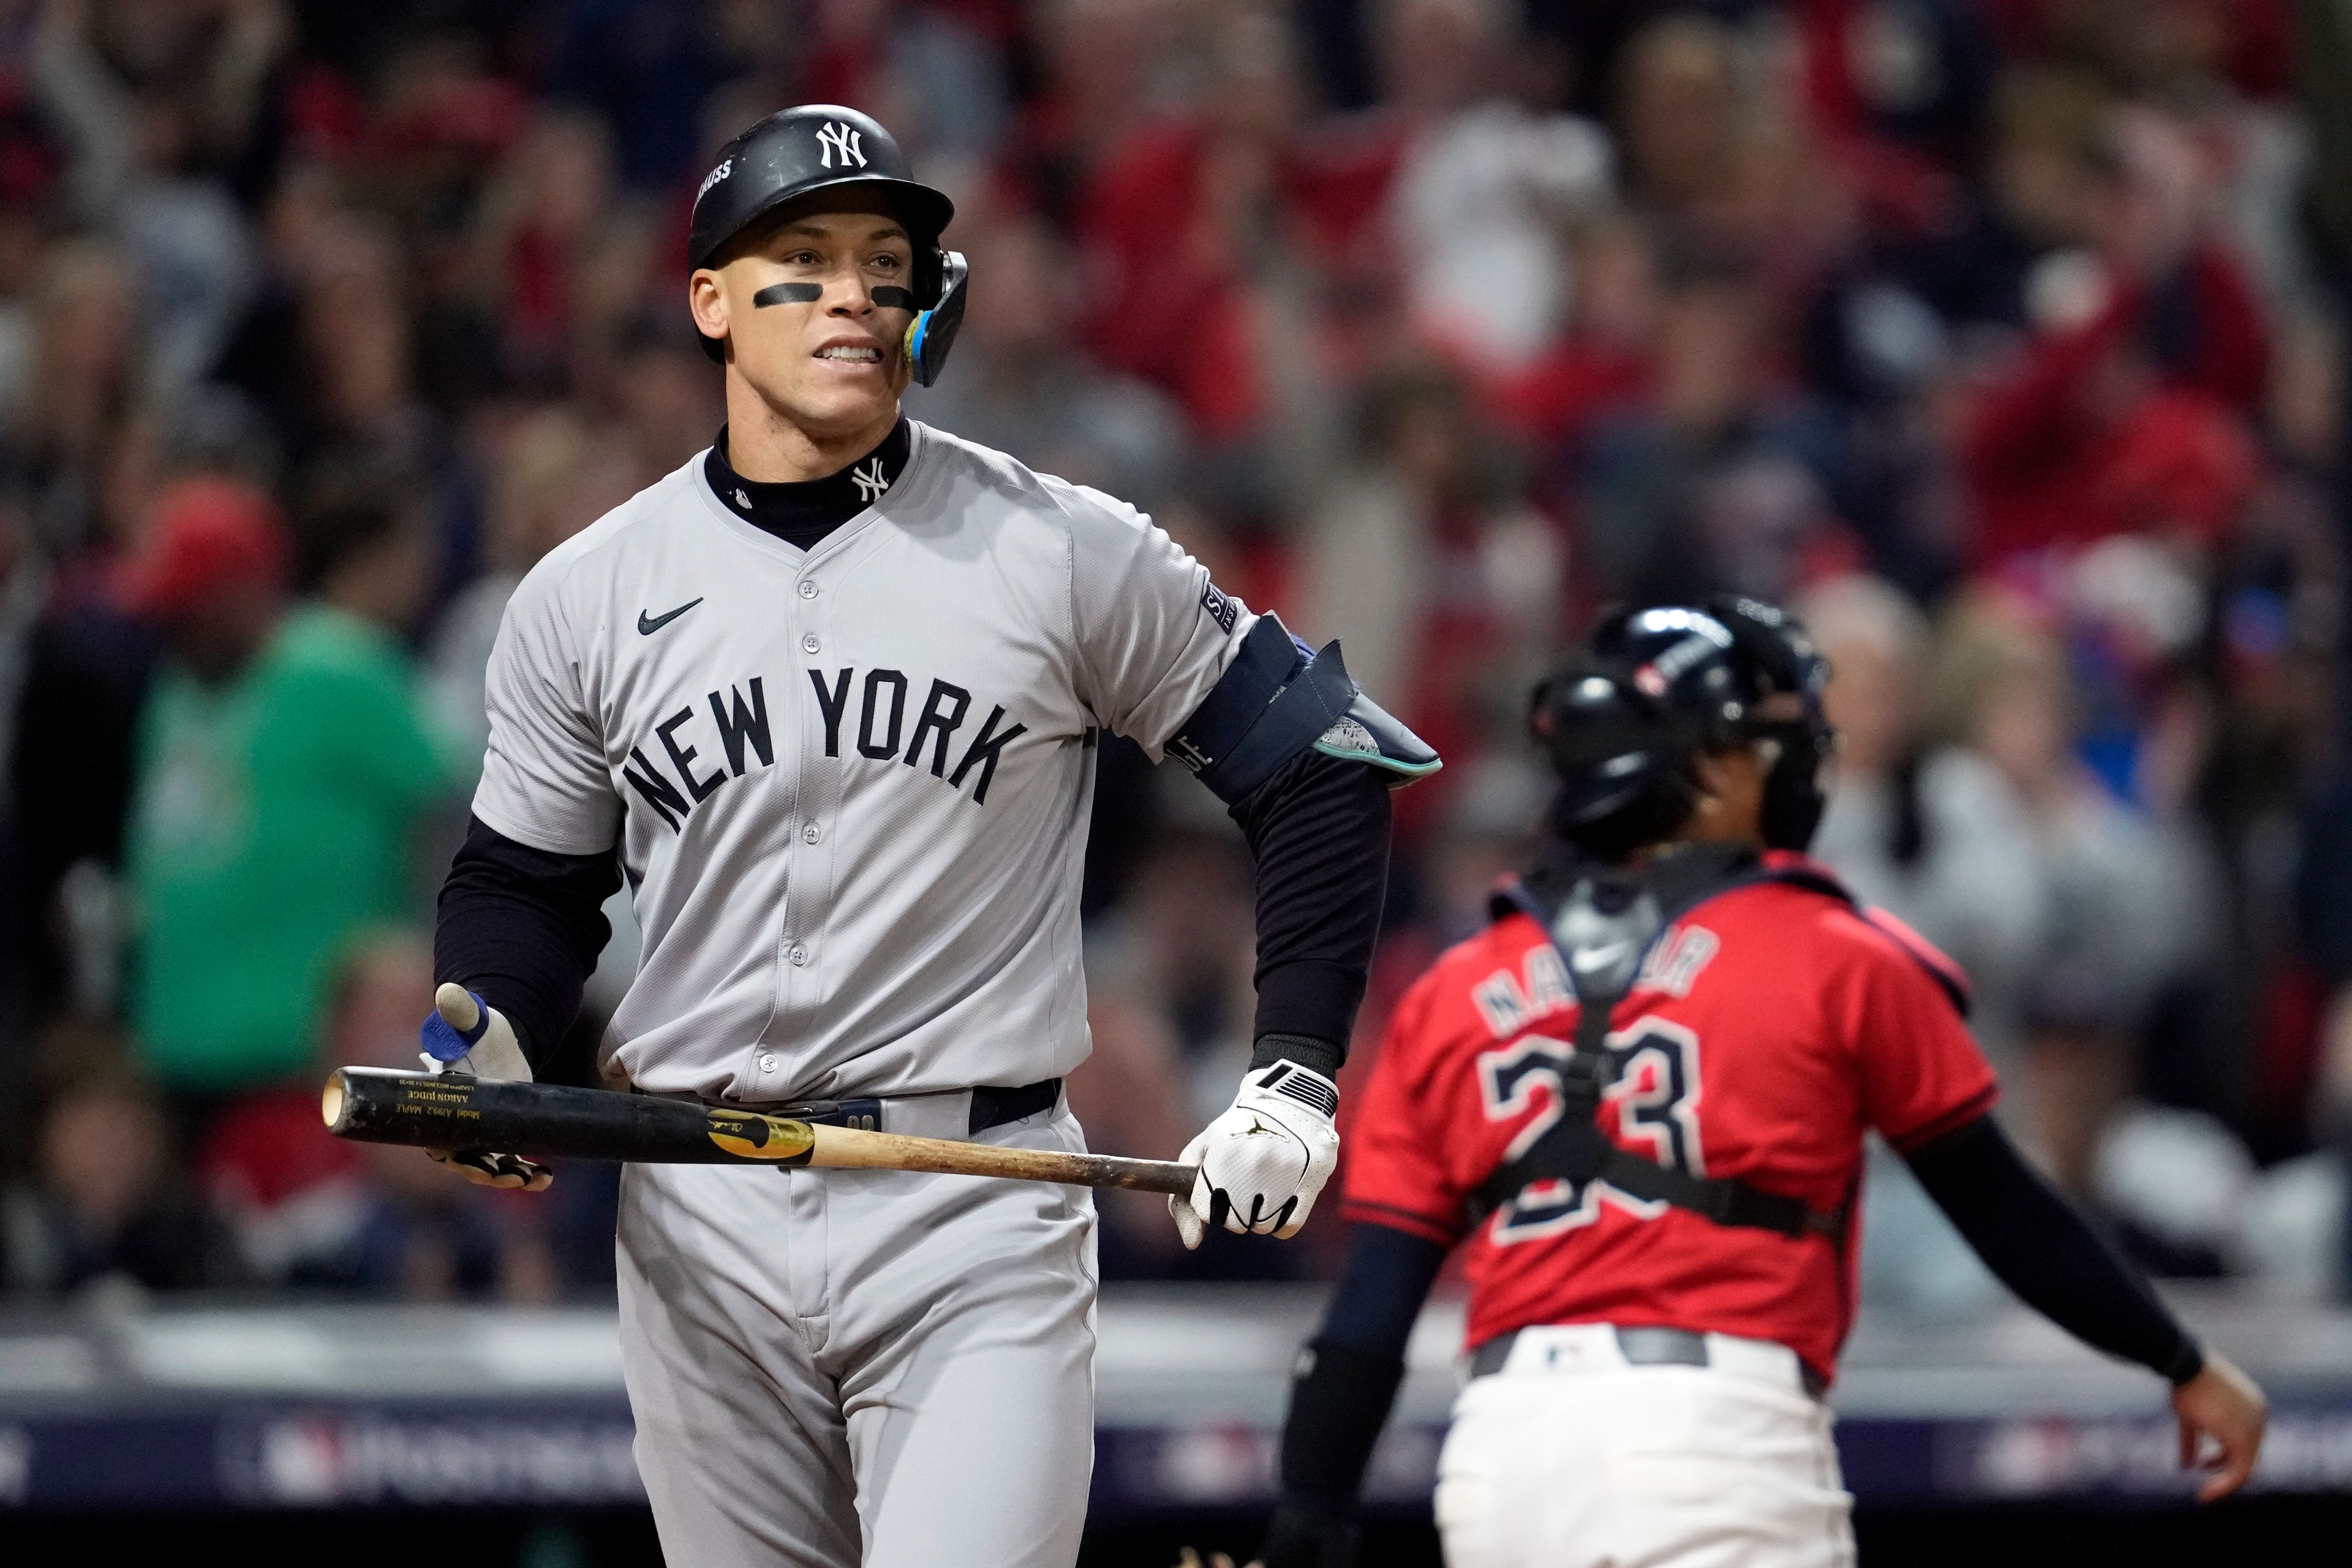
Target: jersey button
x,y
767,1062
810,833
808,643
799,954
808,588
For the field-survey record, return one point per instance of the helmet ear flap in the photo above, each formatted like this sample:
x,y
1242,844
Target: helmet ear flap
x,y
1774,643
933,331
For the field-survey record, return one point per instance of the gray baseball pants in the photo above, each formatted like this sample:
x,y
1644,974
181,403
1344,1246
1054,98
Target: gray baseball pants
x,y
837,1368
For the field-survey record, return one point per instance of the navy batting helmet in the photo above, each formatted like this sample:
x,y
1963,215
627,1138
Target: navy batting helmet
x,y
1623,721
822,146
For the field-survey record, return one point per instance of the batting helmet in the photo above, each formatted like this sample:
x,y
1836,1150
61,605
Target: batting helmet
x,y
1623,721
821,146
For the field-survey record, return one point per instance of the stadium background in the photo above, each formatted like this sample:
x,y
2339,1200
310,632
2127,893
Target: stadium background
x,y
2006,339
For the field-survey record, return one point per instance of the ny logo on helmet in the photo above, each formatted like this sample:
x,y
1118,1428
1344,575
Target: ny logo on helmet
x,y
838,138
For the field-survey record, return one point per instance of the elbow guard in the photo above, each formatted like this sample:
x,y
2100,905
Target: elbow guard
x,y
1279,698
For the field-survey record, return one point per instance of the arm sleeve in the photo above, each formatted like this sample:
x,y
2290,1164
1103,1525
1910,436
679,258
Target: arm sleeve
x,y
1318,835
545,782
2042,1248
521,928
1153,633
1347,1377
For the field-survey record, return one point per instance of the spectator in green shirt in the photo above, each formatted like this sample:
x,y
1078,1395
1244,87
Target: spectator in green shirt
x,y
285,767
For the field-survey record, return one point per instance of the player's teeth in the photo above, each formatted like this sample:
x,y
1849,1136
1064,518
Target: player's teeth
x,y
866,355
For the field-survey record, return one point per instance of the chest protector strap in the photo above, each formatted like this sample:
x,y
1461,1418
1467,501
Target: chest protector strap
x,y
1604,929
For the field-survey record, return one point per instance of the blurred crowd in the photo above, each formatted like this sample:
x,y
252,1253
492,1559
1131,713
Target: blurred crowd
x,y
2005,340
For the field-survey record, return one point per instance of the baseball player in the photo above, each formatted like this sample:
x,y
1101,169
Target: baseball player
x,y
829,697
1637,1100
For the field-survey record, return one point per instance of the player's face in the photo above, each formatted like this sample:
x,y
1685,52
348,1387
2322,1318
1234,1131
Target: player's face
x,y
798,305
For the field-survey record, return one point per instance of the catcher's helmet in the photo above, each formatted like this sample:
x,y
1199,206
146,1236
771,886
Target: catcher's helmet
x,y
820,146
1623,720
1773,644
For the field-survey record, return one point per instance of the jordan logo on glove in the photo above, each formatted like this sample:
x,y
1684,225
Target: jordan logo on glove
x,y
1263,1162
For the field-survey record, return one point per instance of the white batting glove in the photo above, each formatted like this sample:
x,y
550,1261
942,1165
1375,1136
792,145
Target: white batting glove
x,y
467,1035
1263,1162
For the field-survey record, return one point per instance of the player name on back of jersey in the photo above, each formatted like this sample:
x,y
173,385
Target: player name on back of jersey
x,y
868,713
1510,1002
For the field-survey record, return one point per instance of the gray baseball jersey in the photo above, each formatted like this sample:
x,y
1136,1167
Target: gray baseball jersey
x,y
850,784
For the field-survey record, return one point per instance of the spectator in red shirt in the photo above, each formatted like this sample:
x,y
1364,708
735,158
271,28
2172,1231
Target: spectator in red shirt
x,y
1604,360
2126,412
1172,219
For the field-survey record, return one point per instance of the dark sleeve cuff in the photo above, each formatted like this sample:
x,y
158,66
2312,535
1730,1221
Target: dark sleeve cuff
x,y
1321,1055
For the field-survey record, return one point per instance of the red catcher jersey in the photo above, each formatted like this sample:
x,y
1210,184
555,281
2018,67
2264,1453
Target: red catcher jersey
x,y
1770,1027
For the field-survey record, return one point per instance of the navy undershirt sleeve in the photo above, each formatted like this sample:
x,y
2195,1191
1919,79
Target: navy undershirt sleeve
x,y
1348,1376
1318,835
2042,1248
521,928
1382,1284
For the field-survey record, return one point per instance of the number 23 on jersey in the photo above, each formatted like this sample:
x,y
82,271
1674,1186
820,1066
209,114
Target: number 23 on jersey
x,y
1652,1099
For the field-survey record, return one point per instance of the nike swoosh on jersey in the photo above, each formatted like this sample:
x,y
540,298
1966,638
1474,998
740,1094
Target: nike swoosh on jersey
x,y
1602,954
648,624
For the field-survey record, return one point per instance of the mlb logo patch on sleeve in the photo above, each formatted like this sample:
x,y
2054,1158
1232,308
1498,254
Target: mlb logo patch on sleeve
x,y
1222,610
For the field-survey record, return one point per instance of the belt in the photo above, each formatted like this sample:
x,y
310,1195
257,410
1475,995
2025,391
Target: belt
x,y
1644,1346
991,1107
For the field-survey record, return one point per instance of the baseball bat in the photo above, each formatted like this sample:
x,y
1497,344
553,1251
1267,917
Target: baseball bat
x,y
378,1105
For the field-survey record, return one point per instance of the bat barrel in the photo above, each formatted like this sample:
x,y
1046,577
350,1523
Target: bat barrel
x,y
542,1120
374,1105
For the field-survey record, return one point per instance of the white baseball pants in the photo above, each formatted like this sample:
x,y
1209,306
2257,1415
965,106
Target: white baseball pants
x,y
832,1369
1570,1458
